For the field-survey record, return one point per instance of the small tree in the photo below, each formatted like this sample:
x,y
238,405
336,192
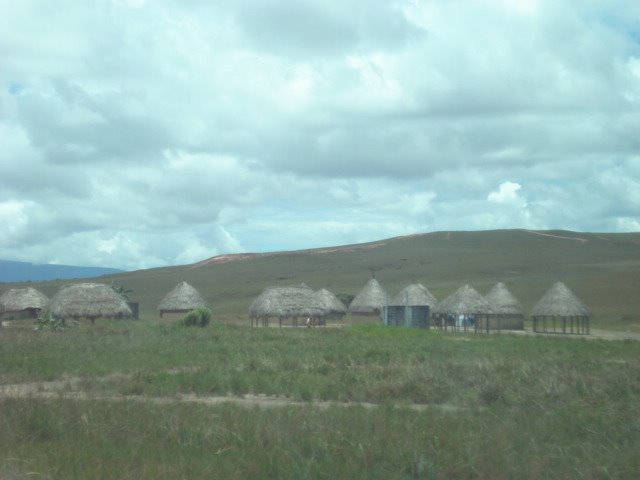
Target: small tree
x,y
121,290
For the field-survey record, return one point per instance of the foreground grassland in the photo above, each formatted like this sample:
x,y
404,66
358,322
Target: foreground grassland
x,y
498,406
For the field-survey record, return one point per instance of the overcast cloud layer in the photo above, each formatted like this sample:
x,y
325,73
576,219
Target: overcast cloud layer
x,y
136,134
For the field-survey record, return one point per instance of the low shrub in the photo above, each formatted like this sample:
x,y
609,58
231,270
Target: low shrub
x,y
49,322
198,317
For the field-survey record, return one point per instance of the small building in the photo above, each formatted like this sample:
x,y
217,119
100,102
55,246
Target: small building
x,y
508,313
465,309
561,311
88,300
414,316
410,308
182,299
285,303
23,302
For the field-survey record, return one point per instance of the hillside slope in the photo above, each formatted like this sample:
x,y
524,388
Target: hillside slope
x,y
603,269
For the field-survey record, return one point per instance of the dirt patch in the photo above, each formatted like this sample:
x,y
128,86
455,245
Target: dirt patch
x,y
59,389
234,257
533,232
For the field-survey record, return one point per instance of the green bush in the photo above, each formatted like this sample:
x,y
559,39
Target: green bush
x,y
198,317
49,322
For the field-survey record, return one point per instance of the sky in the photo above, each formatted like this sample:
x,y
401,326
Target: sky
x,y
138,134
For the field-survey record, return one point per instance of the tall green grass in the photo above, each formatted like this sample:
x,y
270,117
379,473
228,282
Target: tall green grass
x,y
69,439
525,407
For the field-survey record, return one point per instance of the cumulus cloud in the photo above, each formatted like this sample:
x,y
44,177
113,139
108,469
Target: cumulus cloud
x,y
506,193
140,134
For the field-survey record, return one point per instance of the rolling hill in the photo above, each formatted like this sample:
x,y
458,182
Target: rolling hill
x,y
601,268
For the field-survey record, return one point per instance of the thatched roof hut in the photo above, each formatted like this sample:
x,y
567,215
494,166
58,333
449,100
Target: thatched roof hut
x,y
559,301
508,313
370,299
286,302
26,299
413,295
183,298
330,303
88,300
464,301
502,301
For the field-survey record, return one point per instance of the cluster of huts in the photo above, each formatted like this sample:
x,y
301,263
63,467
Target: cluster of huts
x,y
92,301
558,311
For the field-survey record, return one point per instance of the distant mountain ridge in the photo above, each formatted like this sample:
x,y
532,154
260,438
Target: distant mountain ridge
x,y
12,271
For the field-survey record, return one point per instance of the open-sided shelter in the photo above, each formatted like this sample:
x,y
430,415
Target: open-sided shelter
x,y
182,299
507,312
285,303
463,309
88,300
23,301
560,311
370,300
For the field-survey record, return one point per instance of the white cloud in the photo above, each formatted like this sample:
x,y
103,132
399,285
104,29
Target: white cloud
x,y
14,218
506,193
147,133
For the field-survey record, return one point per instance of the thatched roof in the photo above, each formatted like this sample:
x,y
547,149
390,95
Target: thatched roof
x,y
182,298
19,299
415,294
464,301
559,301
286,302
370,299
89,300
330,303
502,301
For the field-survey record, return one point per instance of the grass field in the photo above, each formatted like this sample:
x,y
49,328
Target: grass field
x,y
491,406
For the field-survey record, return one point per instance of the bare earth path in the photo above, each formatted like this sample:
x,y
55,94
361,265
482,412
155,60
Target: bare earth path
x,y
64,389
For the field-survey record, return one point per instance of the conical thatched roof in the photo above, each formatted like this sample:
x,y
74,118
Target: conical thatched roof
x,y
182,298
413,295
559,301
286,302
19,299
89,300
502,301
330,303
464,301
370,299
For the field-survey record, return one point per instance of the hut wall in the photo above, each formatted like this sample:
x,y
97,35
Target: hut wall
x,y
500,322
411,316
135,310
21,314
